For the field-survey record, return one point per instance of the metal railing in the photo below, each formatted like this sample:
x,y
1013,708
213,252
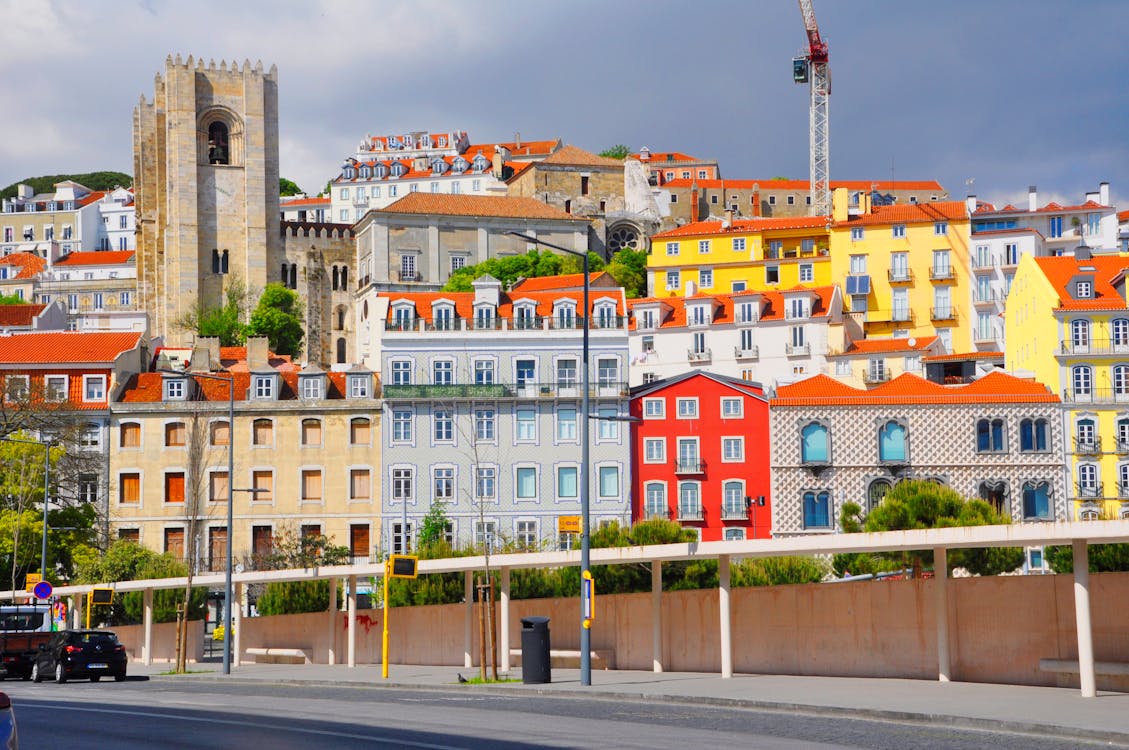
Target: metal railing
x,y
943,313
796,350
1089,491
742,353
899,276
690,512
1094,346
941,274
1088,446
554,389
689,466
702,356
1095,396
734,512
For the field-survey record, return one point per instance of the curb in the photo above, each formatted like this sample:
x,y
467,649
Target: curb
x,y
902,717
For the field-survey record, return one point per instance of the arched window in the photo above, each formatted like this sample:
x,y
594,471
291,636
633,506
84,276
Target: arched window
x,y
311,432
995,494
335,278
892,442
175,434
341,318
219,144
1036,500
215,261
340,350
817,509
689,501
1089,513
219,432
814,444
360,431
1123,481
876,493
1082,377
989,436
733,500
262,432
1119,334
223,262
1080,335
1088,485
1033,435
656,506
344,278
1123,435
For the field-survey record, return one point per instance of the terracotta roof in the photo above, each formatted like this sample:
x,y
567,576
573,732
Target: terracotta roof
x,y
572,156
658,159
306,202
19,315
464,301
562,281
771,305
910,213
770,184
30,264
963,356
146,387
907,389
1050,208
886,346
96,258
476,205
65,347
1060,270
527,148
1122,216
738,226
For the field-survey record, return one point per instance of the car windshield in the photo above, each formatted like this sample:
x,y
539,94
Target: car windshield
x,y
94,638
21,620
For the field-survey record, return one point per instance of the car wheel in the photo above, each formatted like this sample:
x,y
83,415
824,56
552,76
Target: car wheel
x,y
60,673
119,677
95,678
35,675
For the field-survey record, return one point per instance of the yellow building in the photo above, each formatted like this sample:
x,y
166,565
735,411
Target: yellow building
x,y
1067,322
720,257
306,455
904,268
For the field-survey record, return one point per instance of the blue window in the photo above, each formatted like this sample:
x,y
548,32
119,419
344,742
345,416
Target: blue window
x,y
892,442
1036,500
813,446
817,510
1056,226
989,435
1033,435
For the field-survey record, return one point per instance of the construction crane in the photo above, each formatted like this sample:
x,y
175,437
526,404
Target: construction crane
x,y
812,67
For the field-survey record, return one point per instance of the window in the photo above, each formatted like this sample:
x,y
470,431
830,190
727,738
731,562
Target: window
x,y
403,485
672,280
687,408
705,278
217,487
1085,436
264,386
484,372
941,267
358,386
689,501
1123,435
401,533
654,408
609,482
688,457
262,432
360,430
56,387
898,231
1120,334
733,449
1083,290
1082,376
892,442
940,228
607,426
567,485
443,372
856,234
401,426
703,247
1055,229
401,372
525,419
807,273
485,533
655,502
175,434
360,485
672,248
738,244
733,500
731,407
566,424
525,483
817,509
654,450
607,372
129,488
442,426
174,487
1121,382
129,435
525,371
858,265
443,485
485,484
990,436
526,534
311,387
174,389
93,387
311,432
311,485
814,444
772,274
174,543
99,300
262,481
484,423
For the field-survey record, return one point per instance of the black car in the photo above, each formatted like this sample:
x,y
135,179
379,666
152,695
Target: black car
x,y
80,653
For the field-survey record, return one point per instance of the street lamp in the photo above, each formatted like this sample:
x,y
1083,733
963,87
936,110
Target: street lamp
x,y
227,590
46,495
585,467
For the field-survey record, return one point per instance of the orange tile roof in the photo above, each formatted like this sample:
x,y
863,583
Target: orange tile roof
x,y
19,315
737,226
572,156
1051,208
96,258
1060,270
544,300
307,202
770,184
771,305
908,389
476,205
527,148
30,264
146,387
1122,216
962,356
65,347
910,213
561,281
673,158
886,346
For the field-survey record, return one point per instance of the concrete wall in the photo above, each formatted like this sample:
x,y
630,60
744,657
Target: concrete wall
x,y
164,641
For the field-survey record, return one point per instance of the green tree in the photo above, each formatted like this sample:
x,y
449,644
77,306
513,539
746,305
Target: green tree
x,y
294,597
434,526
129,561
278,316
12,299
287,188
93,180
293,550
224,322
1104,558
618,151
629,269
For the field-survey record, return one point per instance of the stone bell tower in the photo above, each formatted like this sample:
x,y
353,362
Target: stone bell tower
x,y
205,154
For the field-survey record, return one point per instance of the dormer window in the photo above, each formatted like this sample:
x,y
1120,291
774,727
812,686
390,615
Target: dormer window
x,y
698,315
797,307
359,386
1083,290
525,316
264,388
381,171
176,389
348,173
366,172
460,165
399,170
438,166
565,315
403,317
484,317
480,164
312,387
648,319
605,316
747,312
444,317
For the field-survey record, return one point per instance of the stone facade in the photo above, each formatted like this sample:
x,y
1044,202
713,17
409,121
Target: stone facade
x,y
318,262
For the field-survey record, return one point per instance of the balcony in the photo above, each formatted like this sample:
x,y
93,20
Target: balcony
x,y
401,324
448,392
900,315
1088,446
1121,447
797,350
941,274
874,378
484,323
744,354
943,313
608,322
453,323
1095,396
1088,491
734,512
408,276
988,298
699,357
527,323
900,276
1123,490
689,466
690,512
1102,347
653,513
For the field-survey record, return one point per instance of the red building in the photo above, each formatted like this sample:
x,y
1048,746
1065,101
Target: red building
x,y
700,455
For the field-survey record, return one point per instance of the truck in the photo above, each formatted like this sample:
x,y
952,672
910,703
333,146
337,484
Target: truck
x,y
23,628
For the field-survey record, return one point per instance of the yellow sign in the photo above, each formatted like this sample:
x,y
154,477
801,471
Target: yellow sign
x,y
101,596
403,566
568,524
32,579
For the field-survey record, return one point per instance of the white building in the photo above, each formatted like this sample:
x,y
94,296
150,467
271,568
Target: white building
x,y
29,223
116,230
305,209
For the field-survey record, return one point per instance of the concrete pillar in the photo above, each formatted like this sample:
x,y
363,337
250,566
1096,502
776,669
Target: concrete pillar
x,y
504,625
76,610
237,623
657,615
1082,618
147,619
331,657
723,607
468,621
941,603
353,621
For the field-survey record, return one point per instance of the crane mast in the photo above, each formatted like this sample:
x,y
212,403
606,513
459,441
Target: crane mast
x,y
813,68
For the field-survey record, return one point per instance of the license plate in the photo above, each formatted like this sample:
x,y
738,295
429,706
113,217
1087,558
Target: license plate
x,y
97,666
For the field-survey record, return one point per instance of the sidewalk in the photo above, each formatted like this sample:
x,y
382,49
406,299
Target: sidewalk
x,y
1060,712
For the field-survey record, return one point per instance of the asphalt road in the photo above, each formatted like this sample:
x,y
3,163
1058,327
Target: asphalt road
x,y
211,716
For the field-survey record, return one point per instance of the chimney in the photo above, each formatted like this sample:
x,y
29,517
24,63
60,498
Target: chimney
x,y
496,163
201,357
1032,199
1103,191
24,191
727,220
517,141
258,353
756,200
694,202
840,204
970,204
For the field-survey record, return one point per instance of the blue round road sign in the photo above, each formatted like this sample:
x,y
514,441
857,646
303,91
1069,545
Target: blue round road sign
x,y
43,590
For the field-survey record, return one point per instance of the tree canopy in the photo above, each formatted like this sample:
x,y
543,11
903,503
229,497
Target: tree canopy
x,y
129,561
278,316
287,188
629,269
508,269
11,299
92,180
618,151
224,322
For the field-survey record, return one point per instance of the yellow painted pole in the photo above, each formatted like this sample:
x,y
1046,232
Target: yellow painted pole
x,y
384,640
89,599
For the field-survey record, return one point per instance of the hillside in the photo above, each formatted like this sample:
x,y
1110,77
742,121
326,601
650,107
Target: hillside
x,y
92,180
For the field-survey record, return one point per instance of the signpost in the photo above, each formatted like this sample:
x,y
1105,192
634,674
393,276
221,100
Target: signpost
x,y
396,566
43,590
31,580
568,524
97,597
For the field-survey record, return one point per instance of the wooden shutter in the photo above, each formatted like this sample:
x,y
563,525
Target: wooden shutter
x,y
130,435
221,433
130,488
174,487
359,484
311,486
360,429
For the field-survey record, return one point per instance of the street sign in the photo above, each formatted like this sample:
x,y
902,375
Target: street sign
x,y
43,590
568,524
31,580
102,596
403,566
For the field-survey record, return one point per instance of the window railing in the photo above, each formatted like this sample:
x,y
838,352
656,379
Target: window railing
x,y
1088,446
876,377
988,298
527,322
1094,346
732,512
567,388
1095,395
797,350
941,273
409,276
689,466
1088,490
1123,490
750,352
1121,446
401,324
699,356
899,315
943,313
900,275
690,512
452,323
663,513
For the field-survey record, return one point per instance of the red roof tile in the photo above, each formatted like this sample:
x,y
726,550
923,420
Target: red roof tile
x,y
962,356
476,205
19,315
910,213
562,281
544,300
577,157
96,258
887,346
306,202
745,226
1060,270
65,347
907,389
30,264
146,387
1122,216
771,305
802,185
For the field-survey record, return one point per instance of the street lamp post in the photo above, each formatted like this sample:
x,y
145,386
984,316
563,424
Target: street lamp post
x,y
585,467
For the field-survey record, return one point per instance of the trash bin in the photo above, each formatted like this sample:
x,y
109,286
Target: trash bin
x,y
535,667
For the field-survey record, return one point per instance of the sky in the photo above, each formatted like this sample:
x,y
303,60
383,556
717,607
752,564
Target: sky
x,y
985,97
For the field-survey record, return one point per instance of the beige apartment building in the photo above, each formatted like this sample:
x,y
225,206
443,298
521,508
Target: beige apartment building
x,y
306,452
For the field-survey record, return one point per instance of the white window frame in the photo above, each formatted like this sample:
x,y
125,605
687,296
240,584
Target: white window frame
x,y
730,440
93,381
518,469
687,413
654,450
654,408
730,413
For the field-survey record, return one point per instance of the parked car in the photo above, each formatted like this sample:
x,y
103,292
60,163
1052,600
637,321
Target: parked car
x,y
80,653
23,628
9,740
